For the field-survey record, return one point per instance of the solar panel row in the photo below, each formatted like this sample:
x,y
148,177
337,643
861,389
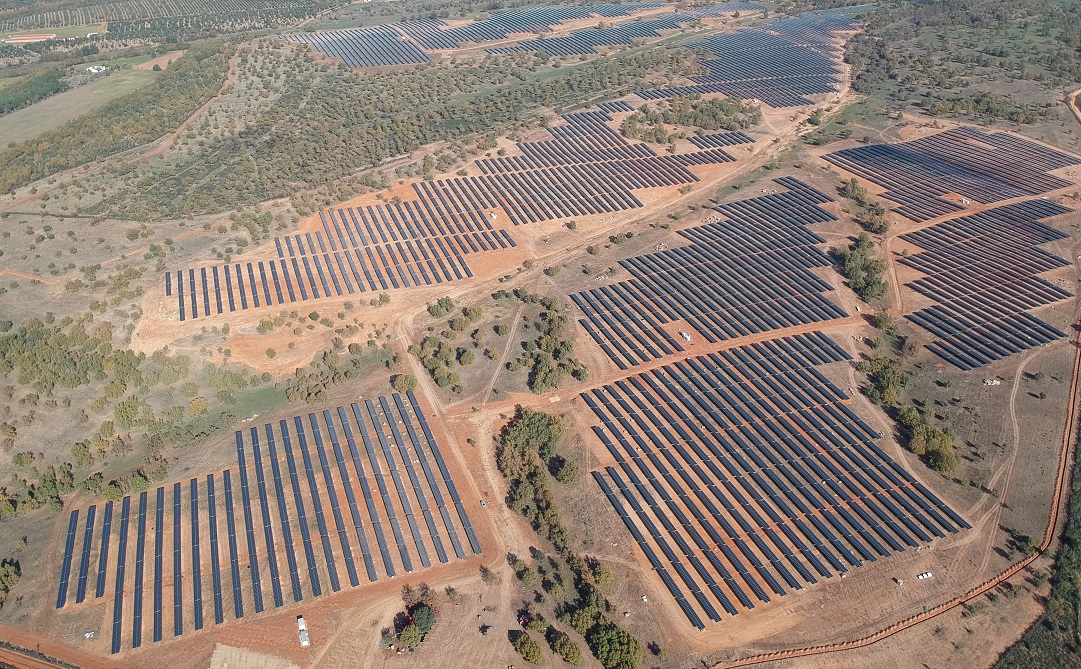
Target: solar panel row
x,y
341,273
987,167
784,483
393,445
982,269
745,274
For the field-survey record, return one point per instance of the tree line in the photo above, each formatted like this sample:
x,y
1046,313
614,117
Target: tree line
x,y
527,453
33,90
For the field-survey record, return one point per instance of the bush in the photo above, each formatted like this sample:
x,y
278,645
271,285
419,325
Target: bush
x,y
567,472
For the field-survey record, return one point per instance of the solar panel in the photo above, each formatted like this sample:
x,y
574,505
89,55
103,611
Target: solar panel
x,y
759,448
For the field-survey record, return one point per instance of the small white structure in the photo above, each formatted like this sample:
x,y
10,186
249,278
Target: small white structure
x,y
685,336
992,382
924,575
302,627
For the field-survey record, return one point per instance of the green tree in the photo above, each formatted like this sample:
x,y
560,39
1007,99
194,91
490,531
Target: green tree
x,y
570,651
423,618
410,636
403,383
528,648
441,308
614,647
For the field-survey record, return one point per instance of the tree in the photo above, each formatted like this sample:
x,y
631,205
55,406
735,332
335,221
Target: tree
x,y
567,472
614,647
403,383
441,308
114,492
423,618
570,651
410,636
528,648
855,191
410,596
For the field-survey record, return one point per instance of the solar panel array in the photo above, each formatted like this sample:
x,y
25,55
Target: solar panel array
x,y
434,35
364,47
982,271
747,476
615,106
406,42
750,272
987,167
721,9
720,139
585,168
586,41
369,492
780,63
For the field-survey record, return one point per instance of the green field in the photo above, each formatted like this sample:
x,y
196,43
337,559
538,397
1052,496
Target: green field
x,y
52,112
11,81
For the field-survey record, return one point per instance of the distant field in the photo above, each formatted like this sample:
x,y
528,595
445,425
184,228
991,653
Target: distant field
x,y
69,31
31,121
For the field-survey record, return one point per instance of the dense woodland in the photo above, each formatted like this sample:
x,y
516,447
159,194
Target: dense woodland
x,y
957,57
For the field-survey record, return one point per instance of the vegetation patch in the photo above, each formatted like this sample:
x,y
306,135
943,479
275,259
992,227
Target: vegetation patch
x,y
865,273
715,114
526,455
